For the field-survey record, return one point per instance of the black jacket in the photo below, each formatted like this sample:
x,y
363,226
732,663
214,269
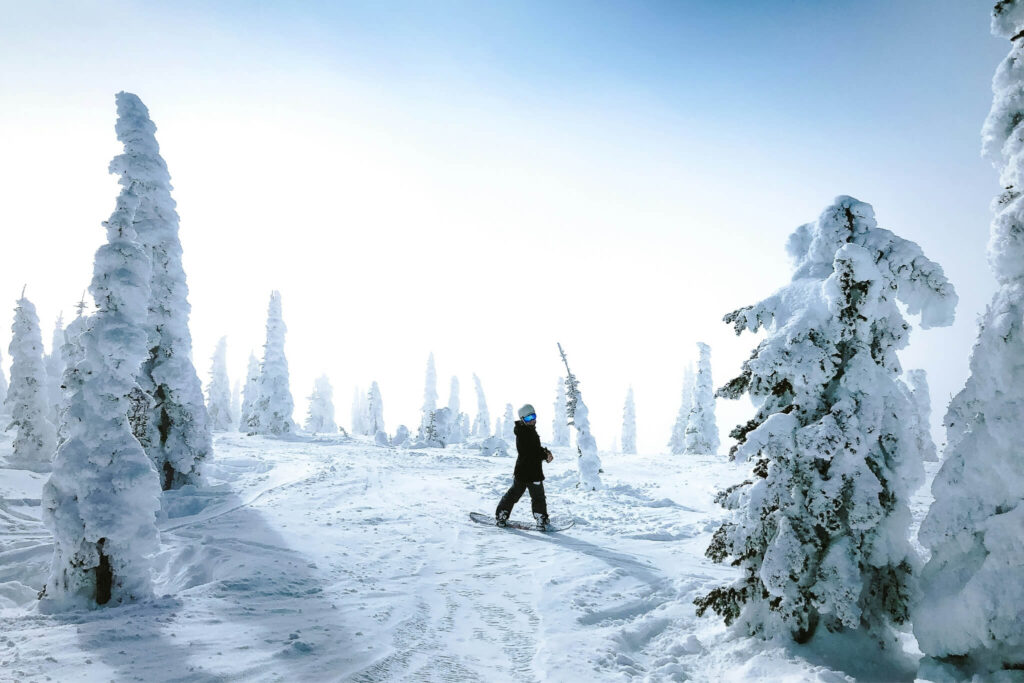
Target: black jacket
x,y
531,453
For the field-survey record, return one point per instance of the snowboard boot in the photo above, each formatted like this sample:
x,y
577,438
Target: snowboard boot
x,y
542,521
501,519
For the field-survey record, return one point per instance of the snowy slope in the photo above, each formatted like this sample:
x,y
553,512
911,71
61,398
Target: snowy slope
x,y
334,559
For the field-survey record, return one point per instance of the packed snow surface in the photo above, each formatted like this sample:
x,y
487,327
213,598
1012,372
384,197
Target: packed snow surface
x,y
330,558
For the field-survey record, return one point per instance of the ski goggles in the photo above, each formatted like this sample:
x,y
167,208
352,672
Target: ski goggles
x,y
529,418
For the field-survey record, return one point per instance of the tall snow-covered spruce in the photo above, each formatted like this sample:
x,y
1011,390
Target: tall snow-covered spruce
x,y
482,423
320,419
28,399
969,616
560,421
821,530
917,383
175,430
701,434
588,463
374,417
272,411
250,392
629,424
218,392
101,500
55,364
677,444
73,353
429,396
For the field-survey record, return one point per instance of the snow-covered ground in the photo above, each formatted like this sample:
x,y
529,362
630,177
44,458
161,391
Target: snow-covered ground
x,y
334,559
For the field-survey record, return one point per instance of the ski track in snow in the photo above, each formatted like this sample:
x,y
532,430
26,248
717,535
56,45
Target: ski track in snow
x,y
334,559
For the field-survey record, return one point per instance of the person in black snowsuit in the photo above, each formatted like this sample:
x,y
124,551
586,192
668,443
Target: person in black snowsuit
x,y
529,471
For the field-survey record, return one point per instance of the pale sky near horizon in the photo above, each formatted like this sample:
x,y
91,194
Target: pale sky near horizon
x,y
483,179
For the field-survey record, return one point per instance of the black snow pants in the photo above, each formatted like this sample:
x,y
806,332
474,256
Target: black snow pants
x,y
537,500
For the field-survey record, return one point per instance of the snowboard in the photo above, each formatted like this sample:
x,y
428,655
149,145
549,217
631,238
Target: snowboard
x,y
553,525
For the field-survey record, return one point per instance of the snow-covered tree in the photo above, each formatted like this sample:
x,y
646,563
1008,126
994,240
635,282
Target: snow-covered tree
x,y
374,413
508,424
482,423
821,533
101,500
3,387
272,411
236,402
320,419
701,435
677,444
73,352
429,394
358,412
588,463
973,586
457,430
560,424
250,393
629,425
55,364
917,383
176,429
499,430
28,401
218,392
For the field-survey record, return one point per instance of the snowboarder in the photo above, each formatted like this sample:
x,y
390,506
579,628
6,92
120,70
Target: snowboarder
x,y
529,471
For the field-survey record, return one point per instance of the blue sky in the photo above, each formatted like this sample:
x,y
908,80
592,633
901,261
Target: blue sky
x,y
421,176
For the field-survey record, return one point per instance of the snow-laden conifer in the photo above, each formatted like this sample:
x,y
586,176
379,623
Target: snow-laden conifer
x,y
588,463
358,412
236,402
457,429
499,430
101,500
218,392
28,401
176,431
374,420
629,425
677,444
701,435
560,422
973,583
482,423
3,387
320,419
55,364
917,382
821,531
73,352
250,392
429,394
272,411
508,424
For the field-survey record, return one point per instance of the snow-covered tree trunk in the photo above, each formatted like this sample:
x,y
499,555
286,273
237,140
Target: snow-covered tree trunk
x,y
821,532
28,400
969,616
560,423
677,444
629,425
101,500
482,423
374,410
251,391
55,364
320,419
272,411
917,381
176,429
588,463
218,392
701,435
